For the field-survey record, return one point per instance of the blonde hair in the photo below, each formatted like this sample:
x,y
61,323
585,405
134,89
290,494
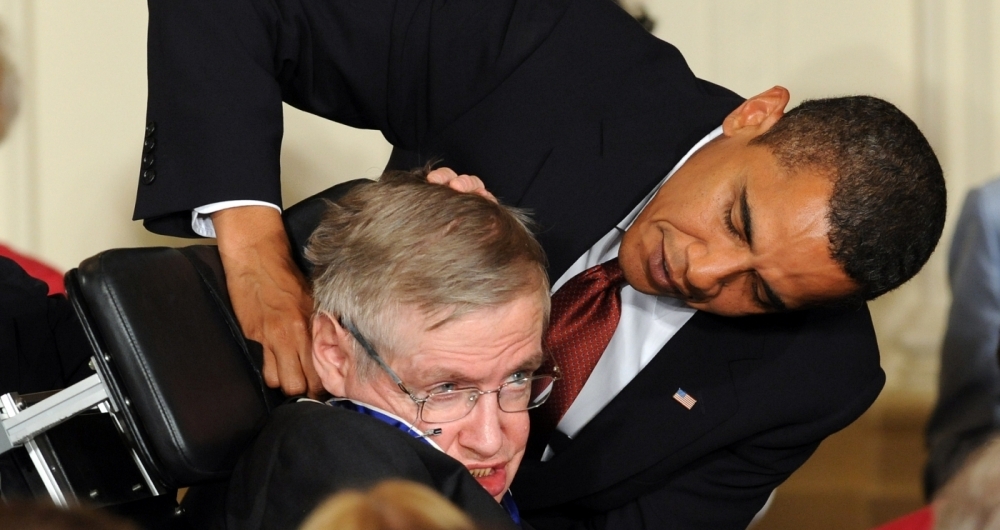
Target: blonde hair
x,y
391,505
402,243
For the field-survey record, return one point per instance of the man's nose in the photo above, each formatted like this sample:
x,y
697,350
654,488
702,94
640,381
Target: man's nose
x,y
481,431
710,268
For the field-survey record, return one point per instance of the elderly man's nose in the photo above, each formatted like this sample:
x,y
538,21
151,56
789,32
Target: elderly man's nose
x,y
482,432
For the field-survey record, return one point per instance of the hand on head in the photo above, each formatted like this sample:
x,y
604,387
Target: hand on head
x,y
464,183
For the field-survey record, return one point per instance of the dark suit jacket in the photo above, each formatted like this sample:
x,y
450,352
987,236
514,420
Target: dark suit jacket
x,y
42,345
568,108
309,451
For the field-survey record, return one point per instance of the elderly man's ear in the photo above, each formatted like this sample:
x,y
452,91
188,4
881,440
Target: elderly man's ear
x,y
330,352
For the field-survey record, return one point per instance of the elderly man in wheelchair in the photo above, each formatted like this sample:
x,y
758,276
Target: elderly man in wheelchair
x,y
430,308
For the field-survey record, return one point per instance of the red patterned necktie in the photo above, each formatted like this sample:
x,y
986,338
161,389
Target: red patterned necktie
x,y
585,313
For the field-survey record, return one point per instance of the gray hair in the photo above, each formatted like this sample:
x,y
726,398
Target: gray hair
x,y
402,244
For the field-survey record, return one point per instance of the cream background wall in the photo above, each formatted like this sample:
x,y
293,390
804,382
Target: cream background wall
x,y
68,168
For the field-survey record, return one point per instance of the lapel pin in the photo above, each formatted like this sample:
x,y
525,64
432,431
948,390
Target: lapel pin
x,y
683,398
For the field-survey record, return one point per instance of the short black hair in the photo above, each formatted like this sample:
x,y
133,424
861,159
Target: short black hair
x,y
889,201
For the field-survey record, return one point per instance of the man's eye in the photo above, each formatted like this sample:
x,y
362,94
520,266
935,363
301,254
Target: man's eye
x,y
443,388
759,299
520,376
730,225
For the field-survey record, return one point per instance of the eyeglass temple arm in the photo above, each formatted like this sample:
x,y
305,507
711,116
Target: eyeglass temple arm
x,y
372,353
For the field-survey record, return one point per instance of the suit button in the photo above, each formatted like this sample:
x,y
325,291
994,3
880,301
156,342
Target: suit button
x,y
147,160
148,176
148,144
150,128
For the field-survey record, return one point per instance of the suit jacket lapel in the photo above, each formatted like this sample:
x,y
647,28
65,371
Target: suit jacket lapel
x,y
644,424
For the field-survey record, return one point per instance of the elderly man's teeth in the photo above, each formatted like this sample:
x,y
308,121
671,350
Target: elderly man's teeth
x,y
481,472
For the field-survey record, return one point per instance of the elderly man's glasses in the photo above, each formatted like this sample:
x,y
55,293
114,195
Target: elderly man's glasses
x,y
517,395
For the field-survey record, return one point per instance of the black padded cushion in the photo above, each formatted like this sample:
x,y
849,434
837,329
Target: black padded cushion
x,y
167,341
161,323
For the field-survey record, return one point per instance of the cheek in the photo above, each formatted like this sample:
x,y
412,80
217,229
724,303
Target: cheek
x,y
448,440
734,300
516,428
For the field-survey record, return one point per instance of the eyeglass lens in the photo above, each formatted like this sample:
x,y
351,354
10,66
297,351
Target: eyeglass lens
x,y
514,396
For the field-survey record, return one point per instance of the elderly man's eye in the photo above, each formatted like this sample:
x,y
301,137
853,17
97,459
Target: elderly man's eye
x,y
519,377
443,388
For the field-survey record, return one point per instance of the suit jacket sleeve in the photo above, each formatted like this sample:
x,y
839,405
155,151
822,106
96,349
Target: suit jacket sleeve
x,y
218,71
308,451
42,345
968,407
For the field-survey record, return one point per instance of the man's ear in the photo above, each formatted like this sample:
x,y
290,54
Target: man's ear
x,y
331,356
757,114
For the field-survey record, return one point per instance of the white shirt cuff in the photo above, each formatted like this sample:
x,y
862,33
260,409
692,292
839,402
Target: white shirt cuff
x,y
201,217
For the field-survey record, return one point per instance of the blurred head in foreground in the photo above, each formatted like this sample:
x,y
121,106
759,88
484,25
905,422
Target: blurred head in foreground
x,y
391,505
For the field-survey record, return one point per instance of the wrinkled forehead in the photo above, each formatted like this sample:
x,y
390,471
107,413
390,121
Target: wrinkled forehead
x,y
480,345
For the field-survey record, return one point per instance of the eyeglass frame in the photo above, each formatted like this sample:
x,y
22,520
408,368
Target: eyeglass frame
x,y
370,350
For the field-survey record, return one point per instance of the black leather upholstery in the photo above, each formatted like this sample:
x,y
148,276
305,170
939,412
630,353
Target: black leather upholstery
x,y
186,379
303,217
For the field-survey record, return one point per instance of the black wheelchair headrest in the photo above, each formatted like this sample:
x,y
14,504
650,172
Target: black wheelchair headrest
x,y
187,382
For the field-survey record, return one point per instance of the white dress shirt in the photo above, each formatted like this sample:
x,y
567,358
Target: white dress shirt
x,y
647,323
201,217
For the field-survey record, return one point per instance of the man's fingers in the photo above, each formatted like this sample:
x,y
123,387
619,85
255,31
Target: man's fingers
x,y
270,369
471,184
293,382
315,384
441,175
463,183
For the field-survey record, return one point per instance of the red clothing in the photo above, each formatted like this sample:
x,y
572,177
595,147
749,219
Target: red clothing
x,y
922,519
37,269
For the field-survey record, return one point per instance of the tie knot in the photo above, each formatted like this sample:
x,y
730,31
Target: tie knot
x,y
609,271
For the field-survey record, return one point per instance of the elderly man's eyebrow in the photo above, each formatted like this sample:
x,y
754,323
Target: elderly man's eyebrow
x,y
438,375
771,301
533,363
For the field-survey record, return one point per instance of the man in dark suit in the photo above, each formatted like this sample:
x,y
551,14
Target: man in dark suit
x,y
571,109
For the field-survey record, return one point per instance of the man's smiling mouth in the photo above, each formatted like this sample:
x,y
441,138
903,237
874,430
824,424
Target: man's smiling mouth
x,y
660,272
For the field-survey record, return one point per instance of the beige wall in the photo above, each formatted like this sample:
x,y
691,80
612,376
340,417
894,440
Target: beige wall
x,y
67,171
69,168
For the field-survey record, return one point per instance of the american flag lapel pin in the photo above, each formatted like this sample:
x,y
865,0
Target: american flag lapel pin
x,y
683,398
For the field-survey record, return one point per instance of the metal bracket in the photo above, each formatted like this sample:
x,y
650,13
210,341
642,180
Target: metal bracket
x,y
18,426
